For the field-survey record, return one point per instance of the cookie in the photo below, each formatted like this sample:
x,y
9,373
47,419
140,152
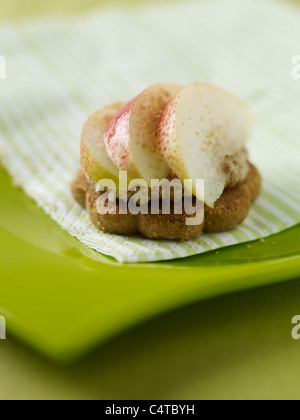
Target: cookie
x,y
121,224
168,226
254,182
230,210
79,188
233,206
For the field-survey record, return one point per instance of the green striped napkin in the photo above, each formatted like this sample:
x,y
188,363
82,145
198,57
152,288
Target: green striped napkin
x,y
59,70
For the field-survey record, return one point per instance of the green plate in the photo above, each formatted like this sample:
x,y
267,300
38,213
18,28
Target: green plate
x,y
63,303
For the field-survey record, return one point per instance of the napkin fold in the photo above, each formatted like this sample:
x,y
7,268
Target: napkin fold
x,y
59,70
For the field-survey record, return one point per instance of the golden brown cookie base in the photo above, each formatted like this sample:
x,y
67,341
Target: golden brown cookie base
x,y
230,210
79,188
122,224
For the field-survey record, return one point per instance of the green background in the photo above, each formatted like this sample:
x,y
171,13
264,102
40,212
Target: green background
x,y
236,346
20,8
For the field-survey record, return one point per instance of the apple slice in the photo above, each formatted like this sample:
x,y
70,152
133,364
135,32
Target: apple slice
x,y
199,131
130,136
94,159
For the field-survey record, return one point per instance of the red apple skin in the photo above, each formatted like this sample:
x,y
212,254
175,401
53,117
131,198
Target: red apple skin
x,y
166,138
117,139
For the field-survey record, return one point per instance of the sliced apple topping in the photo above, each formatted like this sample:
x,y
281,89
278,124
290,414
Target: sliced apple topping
x,y
200,130
94,159
117,138
130,136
